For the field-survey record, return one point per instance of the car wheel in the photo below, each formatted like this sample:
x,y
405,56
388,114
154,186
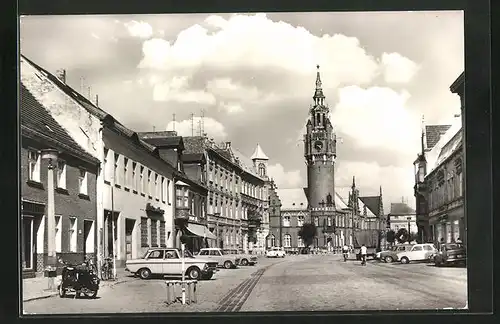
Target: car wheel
x,y
405,260
228,264
388,259
244,262
437,263
145,273
62,291
193,273
91,293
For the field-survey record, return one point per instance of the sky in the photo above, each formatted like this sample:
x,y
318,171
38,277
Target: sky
x,y
252,78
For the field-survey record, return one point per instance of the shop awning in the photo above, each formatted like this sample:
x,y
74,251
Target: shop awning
x,y
201,231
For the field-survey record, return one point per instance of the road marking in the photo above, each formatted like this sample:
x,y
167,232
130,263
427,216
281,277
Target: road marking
x,y
235,299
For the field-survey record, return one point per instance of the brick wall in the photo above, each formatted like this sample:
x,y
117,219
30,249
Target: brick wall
x,y
67,204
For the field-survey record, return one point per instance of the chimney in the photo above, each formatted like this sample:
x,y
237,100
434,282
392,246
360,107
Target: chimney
x,y
228,145
61,75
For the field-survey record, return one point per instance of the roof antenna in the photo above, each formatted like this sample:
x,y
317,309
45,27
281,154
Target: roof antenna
x,y
89,89
153,128
202,122
192,124
173,122
97,100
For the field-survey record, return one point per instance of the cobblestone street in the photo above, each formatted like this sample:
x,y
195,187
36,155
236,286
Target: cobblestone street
x,y
296,283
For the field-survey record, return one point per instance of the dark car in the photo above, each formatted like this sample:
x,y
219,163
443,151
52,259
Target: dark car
x,y
450,253
391,254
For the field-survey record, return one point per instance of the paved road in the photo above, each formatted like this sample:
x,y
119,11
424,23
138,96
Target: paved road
x,y
296,283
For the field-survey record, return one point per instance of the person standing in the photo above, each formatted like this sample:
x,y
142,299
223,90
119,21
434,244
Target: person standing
x,y
363,255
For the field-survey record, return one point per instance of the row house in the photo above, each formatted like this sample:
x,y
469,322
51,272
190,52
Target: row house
x,y
134,186
75,173
190,192
439,182
235,193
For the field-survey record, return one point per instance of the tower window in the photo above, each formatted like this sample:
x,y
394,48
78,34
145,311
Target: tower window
x,y
262,170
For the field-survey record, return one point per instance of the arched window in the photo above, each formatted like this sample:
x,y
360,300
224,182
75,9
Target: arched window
x,y
287,240
262,170
271,240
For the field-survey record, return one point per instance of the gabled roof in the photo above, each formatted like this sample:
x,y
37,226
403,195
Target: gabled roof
x,y
340,203
433,133
35,118
292,199
401,208
433,156
164,142
259,154
372,203
193,157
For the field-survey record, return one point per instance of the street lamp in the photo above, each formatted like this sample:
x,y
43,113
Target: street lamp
x,y
409,219
51,156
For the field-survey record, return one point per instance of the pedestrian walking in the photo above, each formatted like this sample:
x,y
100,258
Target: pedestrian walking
x,y
363,254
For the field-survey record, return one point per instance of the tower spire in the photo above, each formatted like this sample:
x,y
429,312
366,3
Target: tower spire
x,y
318,97
353,182
422,136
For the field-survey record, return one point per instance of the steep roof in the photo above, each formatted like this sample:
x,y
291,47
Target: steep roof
x,y
244,162
401,208
193,157
194,144
259,154
292,199
35,118
340,203
434,156
433,133
372,204
162,142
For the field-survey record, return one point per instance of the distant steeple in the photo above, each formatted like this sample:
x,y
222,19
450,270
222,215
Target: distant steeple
x,y
353,182
422,136
318,97
259,154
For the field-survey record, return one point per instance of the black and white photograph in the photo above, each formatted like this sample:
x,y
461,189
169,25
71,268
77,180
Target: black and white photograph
x,y
242,162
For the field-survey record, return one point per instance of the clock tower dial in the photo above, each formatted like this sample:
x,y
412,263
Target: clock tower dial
x,y
319,149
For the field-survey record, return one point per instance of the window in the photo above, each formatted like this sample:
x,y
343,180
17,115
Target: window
x,y
300,220
186,198
162,234
286,221
61,174
214,252
73,226
300,243
156,254
171,255
191,208
272,240
179,197
134,176
34,166
82,181
262,170
287,240
149,187
168,191
316,221
142,180
205,252
126,181
162,189
106,166
154,233
428,248
144,232
115,170
58,234
157,195
417,248
329,221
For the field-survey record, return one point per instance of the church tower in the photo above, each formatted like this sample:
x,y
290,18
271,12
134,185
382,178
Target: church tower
x,y
320,151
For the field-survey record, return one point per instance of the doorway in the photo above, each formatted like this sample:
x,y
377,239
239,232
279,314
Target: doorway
x,y
27,243
111,234
129,237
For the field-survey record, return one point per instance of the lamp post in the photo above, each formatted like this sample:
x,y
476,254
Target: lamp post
x,y
51,155
409,232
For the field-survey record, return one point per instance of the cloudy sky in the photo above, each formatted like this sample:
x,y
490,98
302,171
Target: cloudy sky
x,y
252,77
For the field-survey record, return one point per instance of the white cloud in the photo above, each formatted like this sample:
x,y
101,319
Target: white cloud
x,y
227,89
254,41
176,89
396,182
231,107
397,68
377,117
284,179
212,127
139,29
95,36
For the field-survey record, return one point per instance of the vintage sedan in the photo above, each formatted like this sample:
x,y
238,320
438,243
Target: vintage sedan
x,y
450,253
275,252
391,254
222,258
417,253
168,262
245,258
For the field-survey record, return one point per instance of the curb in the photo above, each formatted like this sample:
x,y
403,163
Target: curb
x,y
57,294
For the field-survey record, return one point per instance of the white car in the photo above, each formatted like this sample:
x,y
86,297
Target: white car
x,y
418,252
275,252
223,259
168,262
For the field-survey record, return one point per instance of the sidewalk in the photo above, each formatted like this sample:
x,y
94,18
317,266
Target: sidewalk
x,y
36,288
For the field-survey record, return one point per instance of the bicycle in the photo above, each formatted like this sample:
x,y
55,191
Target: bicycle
x,y
107,269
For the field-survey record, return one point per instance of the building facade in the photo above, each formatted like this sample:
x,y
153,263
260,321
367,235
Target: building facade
x,y
75,174
402,216
439,187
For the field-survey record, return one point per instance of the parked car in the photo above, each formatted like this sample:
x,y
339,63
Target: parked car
x,y
450,253
418,252
167,262
391,254
245,258
275,252
223,259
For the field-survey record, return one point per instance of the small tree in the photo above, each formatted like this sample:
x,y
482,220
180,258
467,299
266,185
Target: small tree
x,y
402,235
307,233
390,236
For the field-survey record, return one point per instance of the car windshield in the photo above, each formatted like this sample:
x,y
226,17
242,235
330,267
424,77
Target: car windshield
x,y
188,254
145,254
448,247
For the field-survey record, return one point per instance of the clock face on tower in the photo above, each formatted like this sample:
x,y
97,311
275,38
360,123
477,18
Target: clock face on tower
x,y
318,145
